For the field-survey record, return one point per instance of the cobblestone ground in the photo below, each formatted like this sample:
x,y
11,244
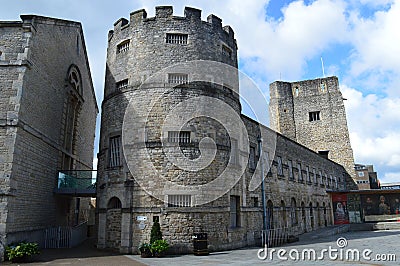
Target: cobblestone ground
x,y
383,244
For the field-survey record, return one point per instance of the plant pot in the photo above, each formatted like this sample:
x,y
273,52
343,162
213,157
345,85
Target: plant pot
x,y
159,254
146,254
22,259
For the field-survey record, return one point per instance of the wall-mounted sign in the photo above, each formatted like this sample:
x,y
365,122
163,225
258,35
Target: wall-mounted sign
x,y
142,225
141,218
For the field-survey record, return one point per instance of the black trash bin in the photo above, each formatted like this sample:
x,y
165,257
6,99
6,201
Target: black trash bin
x,y
200,244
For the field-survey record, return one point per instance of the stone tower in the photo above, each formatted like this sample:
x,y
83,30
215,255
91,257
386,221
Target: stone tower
x,y
312,113
138,50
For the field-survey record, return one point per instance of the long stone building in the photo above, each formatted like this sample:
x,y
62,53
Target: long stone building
x,y
47,121
174,146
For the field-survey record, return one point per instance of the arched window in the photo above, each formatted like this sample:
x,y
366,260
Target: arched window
x,y
293,213
74,79
283,213
114,203
270,214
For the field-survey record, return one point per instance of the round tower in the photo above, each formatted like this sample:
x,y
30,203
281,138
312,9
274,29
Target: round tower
x,y
170,128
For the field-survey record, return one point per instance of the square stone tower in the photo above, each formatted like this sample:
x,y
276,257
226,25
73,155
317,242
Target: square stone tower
x,y
312,113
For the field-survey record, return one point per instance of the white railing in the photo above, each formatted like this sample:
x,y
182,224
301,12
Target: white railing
x,y
274,237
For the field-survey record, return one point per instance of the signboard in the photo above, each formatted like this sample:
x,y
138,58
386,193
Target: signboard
x,y
142,225
340,211
141,218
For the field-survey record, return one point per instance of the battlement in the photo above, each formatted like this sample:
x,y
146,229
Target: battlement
x,y
166,13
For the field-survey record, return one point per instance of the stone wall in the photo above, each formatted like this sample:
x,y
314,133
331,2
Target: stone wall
x,y
290,106
31,121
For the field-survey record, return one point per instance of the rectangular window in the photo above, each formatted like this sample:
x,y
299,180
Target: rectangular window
x,y
252,158
290,164
115,152
308,174
179,136
300,173
315,176
313,116
254,201
177,38
234,151
123,47
179,200
176,78
235,211
123,84
280,168
226,51
361,174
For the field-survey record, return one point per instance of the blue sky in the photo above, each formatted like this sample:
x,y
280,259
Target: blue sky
x,y
358,40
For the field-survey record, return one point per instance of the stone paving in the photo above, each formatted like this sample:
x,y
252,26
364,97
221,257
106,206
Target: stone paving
x,y
383,242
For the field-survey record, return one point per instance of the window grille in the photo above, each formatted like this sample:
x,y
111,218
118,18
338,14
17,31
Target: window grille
x,y
177,78
280,168
177,38
123,84
115,151
179,200
123,47
314,116
179,136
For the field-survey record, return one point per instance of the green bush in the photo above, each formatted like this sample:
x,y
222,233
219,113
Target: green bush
x,y
155,233
159,247
21,250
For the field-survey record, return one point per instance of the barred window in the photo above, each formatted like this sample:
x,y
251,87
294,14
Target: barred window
x,y
300,173
123,84
234,151
179,200
252,158
115,152
226,51
177,78
177,38
179,136
280,168
290,164
123,47
313,116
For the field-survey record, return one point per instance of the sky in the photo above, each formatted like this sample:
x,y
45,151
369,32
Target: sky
x,y
358,40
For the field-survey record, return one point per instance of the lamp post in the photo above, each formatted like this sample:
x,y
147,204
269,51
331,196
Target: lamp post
x,y
263,189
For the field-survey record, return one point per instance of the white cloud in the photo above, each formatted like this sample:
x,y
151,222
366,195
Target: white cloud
x,y
390,178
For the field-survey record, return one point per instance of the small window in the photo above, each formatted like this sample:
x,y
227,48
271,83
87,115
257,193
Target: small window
x,y
323,86
296,91
300,174
179,136
115,152
177,78
290,164
235,211
179,200
324,154
315,176
123,84
234,151
314,116
254,201
114,203
123,47
177,38
280,168
361,174
226,51
252,158
308,174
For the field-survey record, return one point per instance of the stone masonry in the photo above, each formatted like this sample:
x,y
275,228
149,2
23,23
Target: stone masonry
x,y
37,55
296,177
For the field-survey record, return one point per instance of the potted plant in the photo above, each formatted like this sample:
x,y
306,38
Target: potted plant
x,y
159,248
22,252
145,250
155,233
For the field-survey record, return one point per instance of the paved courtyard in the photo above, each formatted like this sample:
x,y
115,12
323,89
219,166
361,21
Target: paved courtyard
x,y
382,244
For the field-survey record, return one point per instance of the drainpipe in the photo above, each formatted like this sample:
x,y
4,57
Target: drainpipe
x,y
262,184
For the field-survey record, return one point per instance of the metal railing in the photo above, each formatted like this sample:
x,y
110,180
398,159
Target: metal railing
x,y
76,182
65,236
275,237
